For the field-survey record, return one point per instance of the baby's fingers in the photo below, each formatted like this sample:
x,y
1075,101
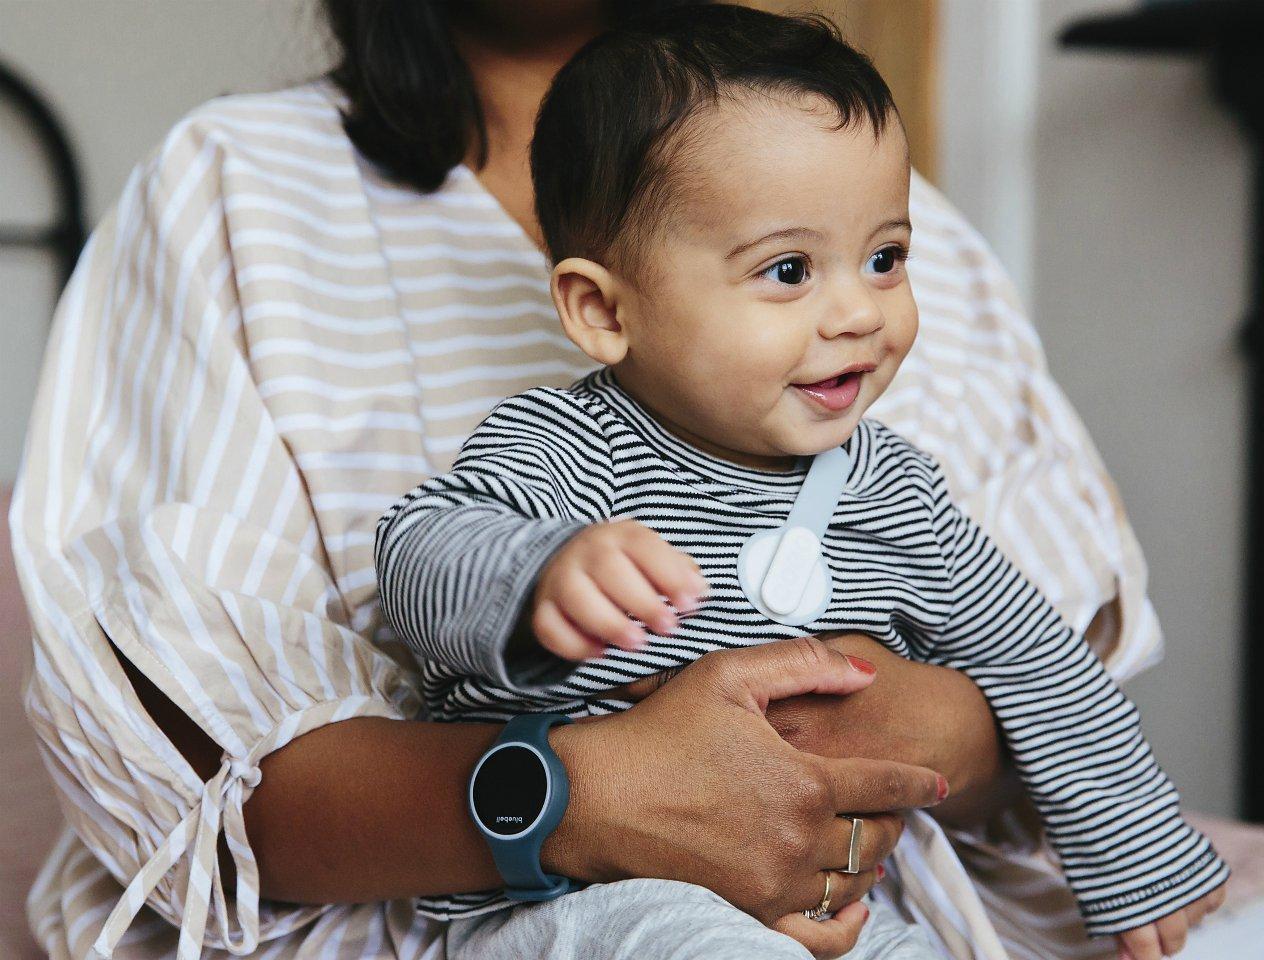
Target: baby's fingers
x,y
1140,944
1208,903
586,605
559,636
628,588
1214,900
673,572
1172,931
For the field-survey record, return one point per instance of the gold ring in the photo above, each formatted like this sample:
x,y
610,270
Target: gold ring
x,y
821,909
853,849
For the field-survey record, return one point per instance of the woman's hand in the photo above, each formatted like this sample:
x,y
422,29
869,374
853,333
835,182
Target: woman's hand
x,y
911,712
693,784
914,713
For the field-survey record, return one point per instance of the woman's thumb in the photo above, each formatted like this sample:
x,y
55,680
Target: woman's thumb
x,y
789,668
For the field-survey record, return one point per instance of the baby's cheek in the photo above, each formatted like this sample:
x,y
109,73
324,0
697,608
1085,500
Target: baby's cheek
x,y
903,326
757,363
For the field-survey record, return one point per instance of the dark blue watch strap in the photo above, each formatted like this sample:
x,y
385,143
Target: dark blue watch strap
x,y
518,858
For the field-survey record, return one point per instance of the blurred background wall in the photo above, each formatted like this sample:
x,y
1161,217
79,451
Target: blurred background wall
x,y
1112,188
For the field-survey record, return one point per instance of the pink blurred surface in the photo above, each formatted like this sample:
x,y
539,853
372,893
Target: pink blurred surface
x,y
29,815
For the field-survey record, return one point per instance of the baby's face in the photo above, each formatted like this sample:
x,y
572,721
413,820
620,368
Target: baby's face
x,y
776,307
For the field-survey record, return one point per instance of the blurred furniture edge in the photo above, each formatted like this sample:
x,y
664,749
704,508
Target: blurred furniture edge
x,y
31,818
66,235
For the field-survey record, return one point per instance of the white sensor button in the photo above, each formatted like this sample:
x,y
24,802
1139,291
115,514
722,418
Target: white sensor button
x,y
787,578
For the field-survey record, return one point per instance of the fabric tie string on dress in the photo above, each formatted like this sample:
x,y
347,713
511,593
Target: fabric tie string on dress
x,y
220,807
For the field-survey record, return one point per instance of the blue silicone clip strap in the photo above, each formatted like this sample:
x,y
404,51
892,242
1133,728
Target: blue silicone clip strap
x,y
518,860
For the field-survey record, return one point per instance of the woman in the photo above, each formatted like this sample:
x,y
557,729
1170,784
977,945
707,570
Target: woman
x,y
286,322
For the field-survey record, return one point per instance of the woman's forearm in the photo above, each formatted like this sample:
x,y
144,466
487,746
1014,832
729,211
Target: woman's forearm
x,y
365,809
370,809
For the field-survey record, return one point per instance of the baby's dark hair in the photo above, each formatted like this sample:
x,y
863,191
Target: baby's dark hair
x,y
607,130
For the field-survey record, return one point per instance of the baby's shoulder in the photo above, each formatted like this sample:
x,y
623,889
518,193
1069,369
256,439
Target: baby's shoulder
x,y
894,460
558,417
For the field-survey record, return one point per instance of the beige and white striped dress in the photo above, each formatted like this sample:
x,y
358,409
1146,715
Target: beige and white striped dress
x,y
263,346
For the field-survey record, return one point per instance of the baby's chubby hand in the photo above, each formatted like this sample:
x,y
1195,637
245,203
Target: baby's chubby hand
x,y
1166,937
602,577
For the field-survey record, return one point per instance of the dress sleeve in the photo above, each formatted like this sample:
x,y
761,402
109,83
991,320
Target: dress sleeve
x,y
160,518
458,556
1017,456
1109,811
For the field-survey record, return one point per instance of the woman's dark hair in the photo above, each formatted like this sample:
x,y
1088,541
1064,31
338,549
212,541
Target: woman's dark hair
x,y
411,104
601,157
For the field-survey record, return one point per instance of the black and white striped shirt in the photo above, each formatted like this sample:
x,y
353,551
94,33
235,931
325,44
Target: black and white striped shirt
x,y
458,556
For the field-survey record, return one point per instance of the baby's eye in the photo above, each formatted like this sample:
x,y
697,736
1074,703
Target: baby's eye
x,y
790,270
887,259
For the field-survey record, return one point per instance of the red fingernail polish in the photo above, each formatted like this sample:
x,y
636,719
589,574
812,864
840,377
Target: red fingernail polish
x,y
941,787
882,872
866,916
864,666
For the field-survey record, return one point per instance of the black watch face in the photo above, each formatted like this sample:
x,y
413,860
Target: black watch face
x,y
509,790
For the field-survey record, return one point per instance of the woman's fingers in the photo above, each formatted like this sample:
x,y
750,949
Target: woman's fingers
x,y
827,938
806,890
859,785
778,802
638,690
879,833
753,676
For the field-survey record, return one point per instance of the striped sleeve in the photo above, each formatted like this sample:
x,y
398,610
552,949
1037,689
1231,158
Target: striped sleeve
x,y
976,392
160,518
458,556
1110,812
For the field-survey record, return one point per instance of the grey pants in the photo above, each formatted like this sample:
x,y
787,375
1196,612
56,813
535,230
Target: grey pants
x,y
657,920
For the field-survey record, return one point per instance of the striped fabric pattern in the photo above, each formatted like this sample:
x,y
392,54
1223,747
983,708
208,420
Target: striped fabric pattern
x,y
458,556
264,343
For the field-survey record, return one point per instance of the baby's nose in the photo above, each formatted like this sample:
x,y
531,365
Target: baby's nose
x,y
855,314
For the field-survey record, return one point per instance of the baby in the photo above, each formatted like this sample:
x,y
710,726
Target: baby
x,y
724,193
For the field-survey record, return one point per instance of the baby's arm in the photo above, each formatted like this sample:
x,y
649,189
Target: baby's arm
x,y
458,556
1110,813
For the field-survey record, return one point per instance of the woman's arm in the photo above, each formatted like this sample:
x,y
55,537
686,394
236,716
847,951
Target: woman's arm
x,y
335,816
371,808
375,809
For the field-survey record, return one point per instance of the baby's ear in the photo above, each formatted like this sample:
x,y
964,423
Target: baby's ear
x,y
586,295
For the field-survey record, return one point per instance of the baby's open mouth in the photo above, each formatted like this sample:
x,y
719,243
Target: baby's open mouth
x,y
834,393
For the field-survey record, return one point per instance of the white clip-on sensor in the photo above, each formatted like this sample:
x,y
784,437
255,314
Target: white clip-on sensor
x,y
783,571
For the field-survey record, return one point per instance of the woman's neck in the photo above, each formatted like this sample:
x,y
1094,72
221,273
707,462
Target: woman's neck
x,y
512,67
